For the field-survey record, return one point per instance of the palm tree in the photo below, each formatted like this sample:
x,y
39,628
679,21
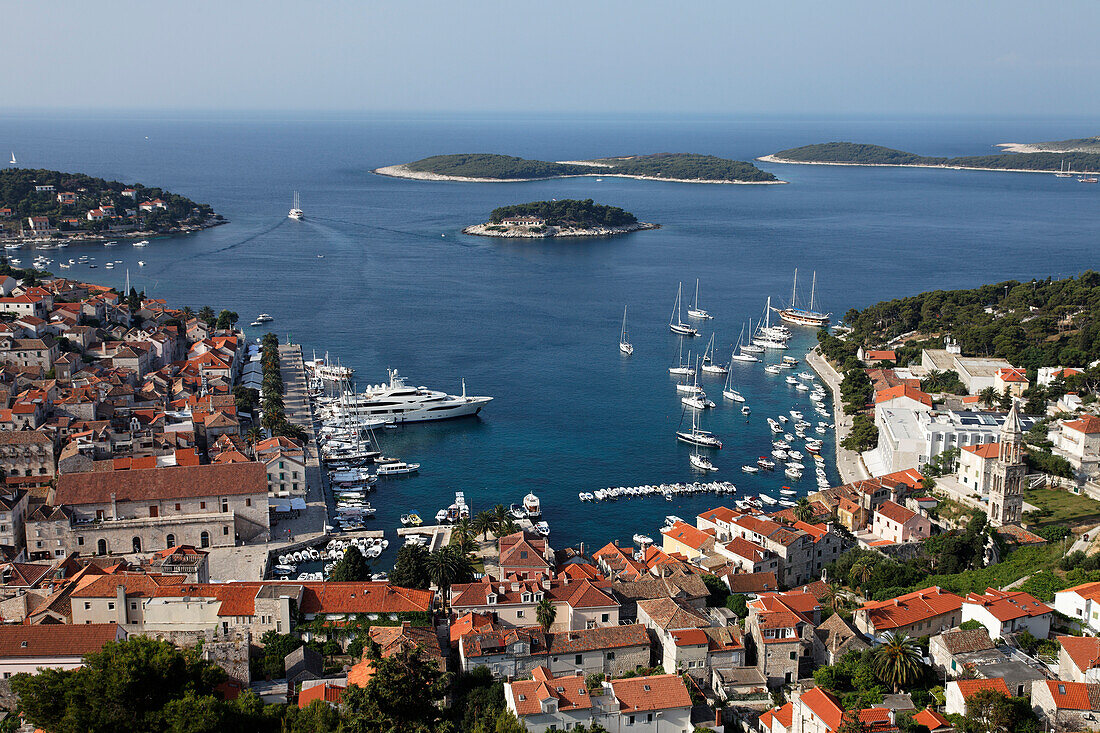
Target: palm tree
x,y
501,520
804,510
254,435
834,597
545,614
988,397
462,536
897,661
447,566
483,523
187,312
861,573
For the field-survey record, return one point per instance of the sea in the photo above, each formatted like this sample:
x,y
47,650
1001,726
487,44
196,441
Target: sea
x,y
379,275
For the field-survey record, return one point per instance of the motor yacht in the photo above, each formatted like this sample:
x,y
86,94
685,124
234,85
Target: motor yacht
x,y
396,402
398,468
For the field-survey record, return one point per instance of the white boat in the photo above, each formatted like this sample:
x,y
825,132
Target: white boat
x,y
750,469
767,499
142,243
729,392
641,539
697,401
806,375
772,369
701,462
765,463
740,353
141,263
767,336
802,387
697,436
13,161
625,346
695,311
285,569
296,209
396,402
787,492
803,316
532,505
793,473
396,469
796,414
675,322
682,369
672,519
708,360
745,410
543,529
110,244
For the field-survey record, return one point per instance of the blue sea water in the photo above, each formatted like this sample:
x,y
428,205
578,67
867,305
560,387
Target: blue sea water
x,y
535,324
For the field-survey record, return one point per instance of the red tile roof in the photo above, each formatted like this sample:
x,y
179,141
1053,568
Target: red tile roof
x,y
324,691
161,483
656,692
724,514
1089,424
54,640
920,605
969,687
570,692
1008,605
895,512
1074,695
985,450
783,715
686,534
1012,374
689,637
903,390
824,706
931,720
1083,650
884,355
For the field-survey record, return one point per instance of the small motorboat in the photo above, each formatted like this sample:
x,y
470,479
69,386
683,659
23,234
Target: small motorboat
x,y
750,469
397,469
765,463
543,529
701,462
641,539
745,410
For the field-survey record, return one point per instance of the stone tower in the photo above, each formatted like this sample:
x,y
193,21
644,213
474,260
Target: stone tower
x,y
1006,491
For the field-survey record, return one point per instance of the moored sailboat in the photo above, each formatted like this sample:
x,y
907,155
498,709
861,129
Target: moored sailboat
x,y
695,311
676,322
803,316
625,346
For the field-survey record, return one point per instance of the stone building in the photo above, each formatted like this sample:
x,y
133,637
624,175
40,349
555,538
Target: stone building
x,y
1006,486
26,453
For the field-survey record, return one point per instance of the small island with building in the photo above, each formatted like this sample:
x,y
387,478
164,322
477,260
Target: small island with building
x,y
1081,161
564,218
493,168
45,205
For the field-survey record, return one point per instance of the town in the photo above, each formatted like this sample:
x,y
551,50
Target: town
x,y
158,468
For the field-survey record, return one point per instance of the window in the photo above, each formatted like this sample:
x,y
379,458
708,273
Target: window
x,y
204,539
87,606
133,606
793,656
177,507
605,617
519,613
578,659
80,540
225,531
137,544
202,505
170,541
248,502
523,554
630,720
110,605
611,656
225,504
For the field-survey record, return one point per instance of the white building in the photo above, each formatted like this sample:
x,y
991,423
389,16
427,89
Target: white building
x,y
1078,441
1081,602
976,466
1007,612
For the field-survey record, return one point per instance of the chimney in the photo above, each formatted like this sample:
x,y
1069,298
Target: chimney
x,y
114,505
893,718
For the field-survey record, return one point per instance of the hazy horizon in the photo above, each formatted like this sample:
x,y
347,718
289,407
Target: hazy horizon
x,y
855,58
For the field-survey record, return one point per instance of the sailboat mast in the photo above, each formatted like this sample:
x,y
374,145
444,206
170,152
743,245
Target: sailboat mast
x,y
794,288
813,287
696,306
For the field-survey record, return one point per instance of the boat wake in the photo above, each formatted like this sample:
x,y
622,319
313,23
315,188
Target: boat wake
x,y
226,248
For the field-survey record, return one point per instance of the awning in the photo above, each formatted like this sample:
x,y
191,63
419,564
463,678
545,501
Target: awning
x,y
297,502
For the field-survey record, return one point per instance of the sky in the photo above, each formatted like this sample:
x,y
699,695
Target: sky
x,y
597,56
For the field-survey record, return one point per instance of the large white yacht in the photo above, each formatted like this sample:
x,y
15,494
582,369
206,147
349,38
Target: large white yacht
x,y
397,402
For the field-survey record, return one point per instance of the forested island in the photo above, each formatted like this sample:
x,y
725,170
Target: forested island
x,y
36,204
490,167
844,153
564,218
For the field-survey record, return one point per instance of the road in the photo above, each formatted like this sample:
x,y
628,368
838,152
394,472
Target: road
x,y
848,463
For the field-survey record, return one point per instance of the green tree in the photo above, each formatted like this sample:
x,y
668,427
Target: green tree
x,y
225,320
804,510
206,314
403,695
276,647
352,567
483,524
447,566
736,603
988,397
317,717
410,568
501,520
545,613
897,660
834,599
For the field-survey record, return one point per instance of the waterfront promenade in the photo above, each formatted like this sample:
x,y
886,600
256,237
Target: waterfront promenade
x,y
848,463
299,411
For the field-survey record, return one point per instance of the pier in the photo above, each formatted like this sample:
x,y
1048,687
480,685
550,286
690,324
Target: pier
x,y
848,463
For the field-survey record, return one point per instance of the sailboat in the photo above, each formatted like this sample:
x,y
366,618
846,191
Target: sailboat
x,y
697,436
767,336
296,209
675,322
739,351
682,368
748,346
729,392
13,160
1062,172
804,316
708,360
695,311
701,462
697,399
624,346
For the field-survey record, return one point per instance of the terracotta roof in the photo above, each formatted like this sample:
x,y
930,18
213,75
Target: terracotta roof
x,y
1074,695
931,720
882,355
684,533
324,691
824,706
1008,605
689,637
910,608
23,437
751,582
895,512
783,715
964,641
903,390
570,692
361,673
19,574
723,514
1083,650
393,639
657,692
470,623
668,614
161,483
1089,424
1012,374
606,637
522,553
985,450
363,598
969,687
744,548
54,640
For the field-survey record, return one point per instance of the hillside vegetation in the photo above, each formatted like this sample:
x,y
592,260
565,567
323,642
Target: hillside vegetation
x,y
864,154
1032,324
1073,145
568,213
679,166
17,191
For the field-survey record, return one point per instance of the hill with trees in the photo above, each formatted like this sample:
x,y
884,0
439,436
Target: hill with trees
x,y
661,166
865,154
1073,145
568,212
19,192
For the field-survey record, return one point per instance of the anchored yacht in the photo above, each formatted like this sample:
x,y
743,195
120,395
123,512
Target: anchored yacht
x,y
396,402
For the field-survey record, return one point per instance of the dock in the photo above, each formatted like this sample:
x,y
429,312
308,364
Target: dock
x,y
848,463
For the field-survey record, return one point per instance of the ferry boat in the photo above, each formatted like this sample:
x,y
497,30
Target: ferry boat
x,y
803,316
396,402
296,209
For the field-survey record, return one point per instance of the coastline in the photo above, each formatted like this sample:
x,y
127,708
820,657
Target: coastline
x,y
786,161
403,171
99,237
482,230
849,464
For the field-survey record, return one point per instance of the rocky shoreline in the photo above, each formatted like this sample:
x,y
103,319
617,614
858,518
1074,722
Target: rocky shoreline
x,y
493,230
100,237
403,171
786,161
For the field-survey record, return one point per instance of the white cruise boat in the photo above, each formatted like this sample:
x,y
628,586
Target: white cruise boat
x,y
296,209
396,402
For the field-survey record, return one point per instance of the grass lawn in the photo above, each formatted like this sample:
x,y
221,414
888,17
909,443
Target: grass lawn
x,y
1076,511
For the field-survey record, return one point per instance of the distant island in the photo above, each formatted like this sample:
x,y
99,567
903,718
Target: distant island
x,y
564,218
43,205
490,167
844,153
1074,145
